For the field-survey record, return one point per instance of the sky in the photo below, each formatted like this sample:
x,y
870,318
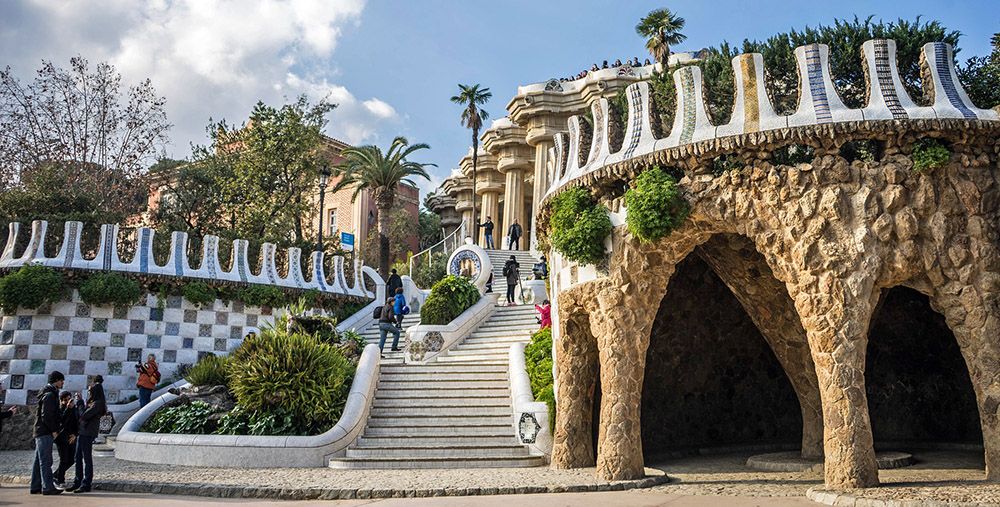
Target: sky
x,y
392,65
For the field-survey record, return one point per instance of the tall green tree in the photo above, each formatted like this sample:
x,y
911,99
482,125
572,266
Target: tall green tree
x,y
472,98
981,76
662,29
380,173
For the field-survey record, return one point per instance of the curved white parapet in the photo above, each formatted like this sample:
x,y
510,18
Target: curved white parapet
x,y
252,451
530,418
425,342
753,112
123,411
178,264
415,296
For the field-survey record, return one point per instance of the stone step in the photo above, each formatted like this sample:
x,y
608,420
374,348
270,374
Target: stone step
x,y
440,393
433,387
483,335
506,326
442,411
440,462
477,345
433,368
498,439
445,423
499,349
434,377
526,316
462,431
469,358
438,451
492,402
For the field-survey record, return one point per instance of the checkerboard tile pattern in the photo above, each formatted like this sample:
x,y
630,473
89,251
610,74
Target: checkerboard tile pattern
x,y
82,341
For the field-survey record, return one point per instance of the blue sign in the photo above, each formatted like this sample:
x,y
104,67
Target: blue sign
x,y
347,241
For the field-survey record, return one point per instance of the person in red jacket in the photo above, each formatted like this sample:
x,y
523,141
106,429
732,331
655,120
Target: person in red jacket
x,y
149,376
544,314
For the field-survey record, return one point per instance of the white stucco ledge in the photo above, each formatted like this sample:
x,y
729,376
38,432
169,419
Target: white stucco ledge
x,y
529,417
425,342
123,411
253,451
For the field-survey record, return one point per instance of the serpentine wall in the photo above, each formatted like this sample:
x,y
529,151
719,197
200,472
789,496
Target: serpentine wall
x,y
82,340
829,236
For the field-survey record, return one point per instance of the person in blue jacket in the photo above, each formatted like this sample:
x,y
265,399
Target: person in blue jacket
x,y
398,303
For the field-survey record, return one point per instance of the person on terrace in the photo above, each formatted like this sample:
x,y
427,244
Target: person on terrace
x,y
488,232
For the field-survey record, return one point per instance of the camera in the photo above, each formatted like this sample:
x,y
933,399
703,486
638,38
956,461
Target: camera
x,y
140,368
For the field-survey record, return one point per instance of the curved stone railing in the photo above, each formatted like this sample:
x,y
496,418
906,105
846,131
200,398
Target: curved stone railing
x,y
529,417
107,258
425,342
253,451
123,411
818,104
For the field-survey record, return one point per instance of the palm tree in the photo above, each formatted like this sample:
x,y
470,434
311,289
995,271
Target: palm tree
x,y
368,168
472,97
662,29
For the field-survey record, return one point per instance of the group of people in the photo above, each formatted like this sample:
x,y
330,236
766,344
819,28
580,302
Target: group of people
x,y
390,314
63,419
514,234
594,68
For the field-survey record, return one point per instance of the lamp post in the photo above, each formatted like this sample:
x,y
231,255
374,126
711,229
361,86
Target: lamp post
x,y
324,176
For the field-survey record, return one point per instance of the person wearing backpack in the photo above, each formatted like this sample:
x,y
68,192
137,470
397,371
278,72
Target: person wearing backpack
x,y
387,324
149,376
399,308
46,430
513,276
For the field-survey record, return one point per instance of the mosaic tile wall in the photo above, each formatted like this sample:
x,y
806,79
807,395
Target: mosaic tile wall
x,y
81,341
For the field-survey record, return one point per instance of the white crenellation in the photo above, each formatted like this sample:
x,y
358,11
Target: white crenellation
x,y
887,97
950,99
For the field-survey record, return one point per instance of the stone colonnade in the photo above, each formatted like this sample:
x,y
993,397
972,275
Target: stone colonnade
x,y
807,251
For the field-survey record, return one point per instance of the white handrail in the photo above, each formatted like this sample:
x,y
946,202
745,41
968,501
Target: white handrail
x,y
455,237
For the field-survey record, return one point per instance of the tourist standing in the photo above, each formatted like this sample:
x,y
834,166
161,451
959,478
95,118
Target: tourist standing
x,y
394,282
513,276
488,232
544,314
66,441
398,304
46,430
90,425
514,236
149,376
387,324
7,414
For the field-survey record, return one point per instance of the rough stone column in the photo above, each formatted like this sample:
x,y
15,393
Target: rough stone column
x,y
577,368
513,208
835,311
541,185
765,299
489,207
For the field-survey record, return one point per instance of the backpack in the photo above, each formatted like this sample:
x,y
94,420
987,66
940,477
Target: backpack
x,y
377,314
406,310
506,269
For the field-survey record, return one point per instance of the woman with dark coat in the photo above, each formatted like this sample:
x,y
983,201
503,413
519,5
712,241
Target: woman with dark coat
x,y
90,425
70,428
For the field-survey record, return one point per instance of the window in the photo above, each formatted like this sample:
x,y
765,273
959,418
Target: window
x,y
332,227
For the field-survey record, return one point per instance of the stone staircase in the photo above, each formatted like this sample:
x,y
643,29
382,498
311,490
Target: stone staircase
x,y
454,412
371,335
499,257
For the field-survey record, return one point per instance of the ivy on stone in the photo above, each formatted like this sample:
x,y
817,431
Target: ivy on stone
x,y
103,289
579,226
30,287
655,205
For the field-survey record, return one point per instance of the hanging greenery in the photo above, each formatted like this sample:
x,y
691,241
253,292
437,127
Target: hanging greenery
x,y
655,205
579,226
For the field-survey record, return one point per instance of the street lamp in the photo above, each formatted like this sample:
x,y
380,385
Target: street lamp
x,y
324,177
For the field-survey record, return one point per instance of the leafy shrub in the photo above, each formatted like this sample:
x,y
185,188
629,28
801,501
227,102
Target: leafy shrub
x,y
292,374
655,206
262,295
209,371
538,362
112,289
191,418
427,272
353,336
929,153
257,422
30,287
448,299
866,150
579,226
199,293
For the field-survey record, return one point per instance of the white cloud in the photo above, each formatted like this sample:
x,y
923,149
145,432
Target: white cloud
x,y
209,58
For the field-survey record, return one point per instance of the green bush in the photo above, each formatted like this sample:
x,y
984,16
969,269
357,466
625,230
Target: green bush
x,y
110,289
929,153
579,226
427,272
263,295
353,336
192,419
448,299
295,375
257,422
199,293
209,371
538,362
30,287
655,206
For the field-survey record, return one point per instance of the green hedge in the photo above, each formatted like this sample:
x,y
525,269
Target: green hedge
x,y
211,370
538,362
448,299
930,153
110,289
30,287
200,293
579,226
655,206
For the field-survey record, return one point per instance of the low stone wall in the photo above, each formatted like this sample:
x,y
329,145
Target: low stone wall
x,y
252,451
425,342
82,341
530,417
